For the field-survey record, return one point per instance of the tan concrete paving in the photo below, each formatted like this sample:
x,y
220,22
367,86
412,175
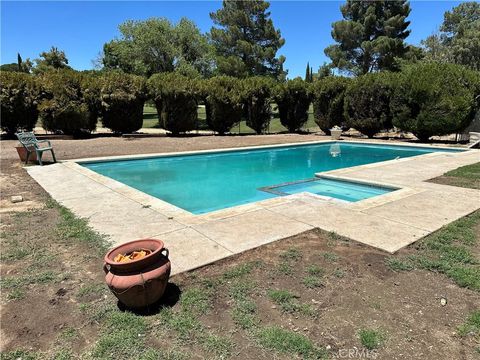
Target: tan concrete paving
x,y
388,222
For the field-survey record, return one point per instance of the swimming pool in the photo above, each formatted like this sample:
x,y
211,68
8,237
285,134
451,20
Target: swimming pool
x,y
205,182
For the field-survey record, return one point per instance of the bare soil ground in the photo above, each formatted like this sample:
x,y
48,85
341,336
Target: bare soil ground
x,y
308,296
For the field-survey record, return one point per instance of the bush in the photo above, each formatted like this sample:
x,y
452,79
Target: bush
x,y
175,98
256,94
62,106
122,96
434,99
367,103
328,102
18,99
223,103
90,82
293,99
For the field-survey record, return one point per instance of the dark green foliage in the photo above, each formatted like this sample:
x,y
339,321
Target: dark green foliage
x,y
123,96
90,82
175,98
223,103
246,41
367,103
51,60
62,107
293,100
328,102
256,94
371,36
434,99
18,99
156,45
459,38
309,74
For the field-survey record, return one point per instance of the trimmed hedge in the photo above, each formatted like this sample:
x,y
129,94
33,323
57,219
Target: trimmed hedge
x,y
175,98
223,103
256,94
367,103
435,99
62,106
122,97
18,99
328,102
293,100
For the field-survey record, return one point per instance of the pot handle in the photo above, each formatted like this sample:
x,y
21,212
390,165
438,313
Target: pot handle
x,y
106,268
166,252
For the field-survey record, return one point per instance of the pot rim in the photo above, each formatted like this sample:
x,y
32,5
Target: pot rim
x,y
107,260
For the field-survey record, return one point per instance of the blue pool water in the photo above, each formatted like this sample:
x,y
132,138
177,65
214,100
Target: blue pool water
x,y
340,189
200,183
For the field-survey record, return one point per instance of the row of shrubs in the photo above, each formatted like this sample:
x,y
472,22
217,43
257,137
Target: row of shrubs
x,y
426,99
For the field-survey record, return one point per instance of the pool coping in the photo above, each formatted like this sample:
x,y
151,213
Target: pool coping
x,y
156,203
209,225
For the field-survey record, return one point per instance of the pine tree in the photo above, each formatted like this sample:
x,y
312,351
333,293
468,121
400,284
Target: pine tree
x,y
371,36
245,40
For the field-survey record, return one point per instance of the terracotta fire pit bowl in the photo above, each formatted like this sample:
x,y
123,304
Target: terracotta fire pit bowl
x,y
142,281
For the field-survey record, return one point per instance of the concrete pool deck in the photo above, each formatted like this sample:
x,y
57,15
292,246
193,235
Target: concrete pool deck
x,y
388,222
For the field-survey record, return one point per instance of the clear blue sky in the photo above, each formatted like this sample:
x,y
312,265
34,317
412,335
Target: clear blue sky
x,y
81,28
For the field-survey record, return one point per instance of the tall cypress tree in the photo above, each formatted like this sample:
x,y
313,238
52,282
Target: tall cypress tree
x,y
245,40
307,73
370,37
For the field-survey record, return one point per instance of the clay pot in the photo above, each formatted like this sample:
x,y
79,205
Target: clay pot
x,y
22,154
142,282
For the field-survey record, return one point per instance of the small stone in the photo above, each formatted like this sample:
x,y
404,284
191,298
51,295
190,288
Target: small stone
x,y
443,301
295,329
17,198
274,307
328,347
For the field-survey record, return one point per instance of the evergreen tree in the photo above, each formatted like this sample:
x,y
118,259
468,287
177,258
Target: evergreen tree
x,y
371,36
245,40
459,38
307,73
50,60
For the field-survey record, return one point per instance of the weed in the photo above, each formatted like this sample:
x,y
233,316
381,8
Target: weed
x,y
339,273
124,333
330,256
399,264
288,302
220,346
315,270
239,271
72,227
19,354
285,299
291,254
19,281
371,339
285,268
196,300
91,289
16,294
312,281
471,326
288,342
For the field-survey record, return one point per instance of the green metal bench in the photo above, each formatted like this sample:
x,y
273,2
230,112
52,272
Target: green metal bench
x,y
31,144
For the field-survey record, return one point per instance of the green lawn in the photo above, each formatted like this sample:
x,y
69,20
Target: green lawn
x,y
150,120
465,176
